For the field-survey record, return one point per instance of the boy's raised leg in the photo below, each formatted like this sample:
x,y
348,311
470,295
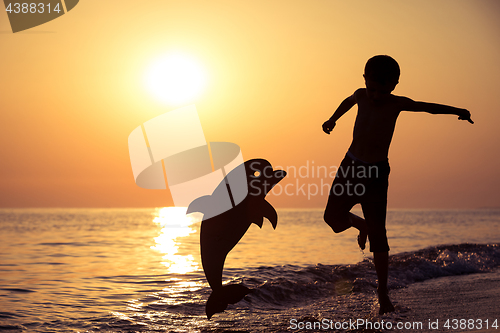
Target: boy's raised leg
x,y
360,224
381,261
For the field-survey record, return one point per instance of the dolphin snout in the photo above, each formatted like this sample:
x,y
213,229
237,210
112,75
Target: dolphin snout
x,y
272,179
279,174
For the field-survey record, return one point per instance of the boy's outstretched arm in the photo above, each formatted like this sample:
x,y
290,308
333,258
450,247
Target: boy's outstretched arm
x,y
410,105
345,106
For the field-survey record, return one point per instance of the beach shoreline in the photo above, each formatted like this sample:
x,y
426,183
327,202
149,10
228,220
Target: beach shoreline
x,y
474,298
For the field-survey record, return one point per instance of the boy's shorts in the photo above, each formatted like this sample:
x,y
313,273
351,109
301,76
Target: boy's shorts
x,y
366,184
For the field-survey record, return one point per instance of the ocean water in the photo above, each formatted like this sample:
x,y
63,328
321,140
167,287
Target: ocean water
x,y
139,270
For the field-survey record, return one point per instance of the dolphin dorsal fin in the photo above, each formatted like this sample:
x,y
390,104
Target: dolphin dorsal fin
x,y
200,205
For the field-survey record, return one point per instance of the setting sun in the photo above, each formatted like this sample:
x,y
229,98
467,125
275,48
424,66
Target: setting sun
x,y
175,79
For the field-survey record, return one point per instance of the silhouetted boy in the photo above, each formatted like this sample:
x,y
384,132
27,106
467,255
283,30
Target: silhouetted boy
x,y
363,174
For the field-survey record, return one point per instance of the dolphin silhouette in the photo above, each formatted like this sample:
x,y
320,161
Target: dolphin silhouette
x,y
220,233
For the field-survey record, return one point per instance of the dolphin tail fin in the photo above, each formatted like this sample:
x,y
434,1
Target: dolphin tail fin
x,y
220,298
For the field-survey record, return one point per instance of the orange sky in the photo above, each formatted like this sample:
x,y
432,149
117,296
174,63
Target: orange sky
x,y
72,91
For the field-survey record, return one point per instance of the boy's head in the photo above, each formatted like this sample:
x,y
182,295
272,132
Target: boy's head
x,y
382,69
381,76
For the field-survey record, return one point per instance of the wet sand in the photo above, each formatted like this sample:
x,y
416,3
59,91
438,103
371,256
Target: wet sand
x,y
474,296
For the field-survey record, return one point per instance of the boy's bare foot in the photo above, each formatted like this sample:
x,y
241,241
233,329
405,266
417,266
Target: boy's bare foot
x,y
362,238
360,224
384,302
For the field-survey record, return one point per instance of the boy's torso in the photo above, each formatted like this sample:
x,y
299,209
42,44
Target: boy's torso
x,y
374,127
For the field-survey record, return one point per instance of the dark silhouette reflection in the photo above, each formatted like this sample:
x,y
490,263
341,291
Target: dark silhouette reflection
x,y
224,227
363,174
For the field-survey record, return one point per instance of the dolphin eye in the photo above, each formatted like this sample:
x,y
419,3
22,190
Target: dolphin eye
x,y
256,173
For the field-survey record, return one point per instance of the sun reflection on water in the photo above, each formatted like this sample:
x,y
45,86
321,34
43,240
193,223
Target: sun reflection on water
x,y
175,225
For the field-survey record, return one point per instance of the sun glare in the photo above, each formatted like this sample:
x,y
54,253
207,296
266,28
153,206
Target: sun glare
x,y
175,227
175,79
